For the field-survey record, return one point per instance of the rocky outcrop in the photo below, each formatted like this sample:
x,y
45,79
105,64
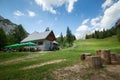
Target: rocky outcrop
x,y
6,24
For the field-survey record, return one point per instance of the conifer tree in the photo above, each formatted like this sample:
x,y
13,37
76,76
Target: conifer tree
x,y
69,37
61,40
47,29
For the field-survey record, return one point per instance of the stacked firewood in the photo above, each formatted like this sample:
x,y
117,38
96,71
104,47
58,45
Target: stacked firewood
x,y
101,57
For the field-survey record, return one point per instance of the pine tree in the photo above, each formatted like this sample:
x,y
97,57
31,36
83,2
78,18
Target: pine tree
x,y
47,29
74,38
96,34
86,37
61,40
69,37
3,38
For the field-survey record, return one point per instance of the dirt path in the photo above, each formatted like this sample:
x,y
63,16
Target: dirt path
x,y
42,64
82,72
16,60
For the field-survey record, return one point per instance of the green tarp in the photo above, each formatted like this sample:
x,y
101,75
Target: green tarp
x,y
13,46
21,45
28,44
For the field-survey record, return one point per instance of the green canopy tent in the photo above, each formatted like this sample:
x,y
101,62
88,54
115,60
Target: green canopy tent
x,y
28,44
21,45
13,46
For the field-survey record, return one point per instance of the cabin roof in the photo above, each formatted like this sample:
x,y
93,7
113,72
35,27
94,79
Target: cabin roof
x,y
36,36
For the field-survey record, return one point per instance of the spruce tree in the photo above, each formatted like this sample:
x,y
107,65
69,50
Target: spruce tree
x,y
47,29
69,37
61,40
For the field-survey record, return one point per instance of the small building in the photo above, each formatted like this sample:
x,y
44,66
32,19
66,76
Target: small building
x,y
44,40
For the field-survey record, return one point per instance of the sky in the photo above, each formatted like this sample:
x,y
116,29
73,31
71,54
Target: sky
x,y
81,16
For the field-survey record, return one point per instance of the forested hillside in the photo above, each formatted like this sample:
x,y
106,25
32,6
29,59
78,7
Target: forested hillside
x,y
115,30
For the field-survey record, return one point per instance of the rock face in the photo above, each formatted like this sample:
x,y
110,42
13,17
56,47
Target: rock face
x,y
6,24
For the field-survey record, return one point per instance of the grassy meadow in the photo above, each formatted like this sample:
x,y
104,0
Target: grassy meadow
x,y
11,64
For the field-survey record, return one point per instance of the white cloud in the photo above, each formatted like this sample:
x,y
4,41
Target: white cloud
x,y
105,21
57,36
82,28
85,21
31,13
107,3
95,21
49,5
111,15
70,5
18,13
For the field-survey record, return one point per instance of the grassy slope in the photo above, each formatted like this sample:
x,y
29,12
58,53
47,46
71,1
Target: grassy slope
x,y
95,44
12,70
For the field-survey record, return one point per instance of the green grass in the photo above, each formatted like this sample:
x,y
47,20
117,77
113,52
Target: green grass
x,y
11,71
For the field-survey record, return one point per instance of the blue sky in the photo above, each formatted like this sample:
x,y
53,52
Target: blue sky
x,y
82,16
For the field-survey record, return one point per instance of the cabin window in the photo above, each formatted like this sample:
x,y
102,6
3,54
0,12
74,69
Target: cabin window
x,y
40,43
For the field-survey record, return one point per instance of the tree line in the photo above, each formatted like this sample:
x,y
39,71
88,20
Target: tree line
x,y
115,30
66,41
14,36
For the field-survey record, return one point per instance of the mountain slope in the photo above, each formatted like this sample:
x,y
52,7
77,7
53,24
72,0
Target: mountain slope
x,y
6,24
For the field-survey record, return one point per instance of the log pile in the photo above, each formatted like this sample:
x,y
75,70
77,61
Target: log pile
x,y
101,57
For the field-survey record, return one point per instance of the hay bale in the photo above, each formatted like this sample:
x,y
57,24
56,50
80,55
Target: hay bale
x,y
98,52
106,56
95,62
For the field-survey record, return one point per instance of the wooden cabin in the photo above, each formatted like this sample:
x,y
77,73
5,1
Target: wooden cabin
x,y
44,40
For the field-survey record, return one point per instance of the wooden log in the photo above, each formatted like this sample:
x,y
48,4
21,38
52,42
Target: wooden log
x,y
95,62
87,58
118,58
113,57
98,52
87,54
106,56
82,57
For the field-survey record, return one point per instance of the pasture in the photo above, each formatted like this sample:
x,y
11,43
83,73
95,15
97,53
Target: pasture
x,y
40,65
